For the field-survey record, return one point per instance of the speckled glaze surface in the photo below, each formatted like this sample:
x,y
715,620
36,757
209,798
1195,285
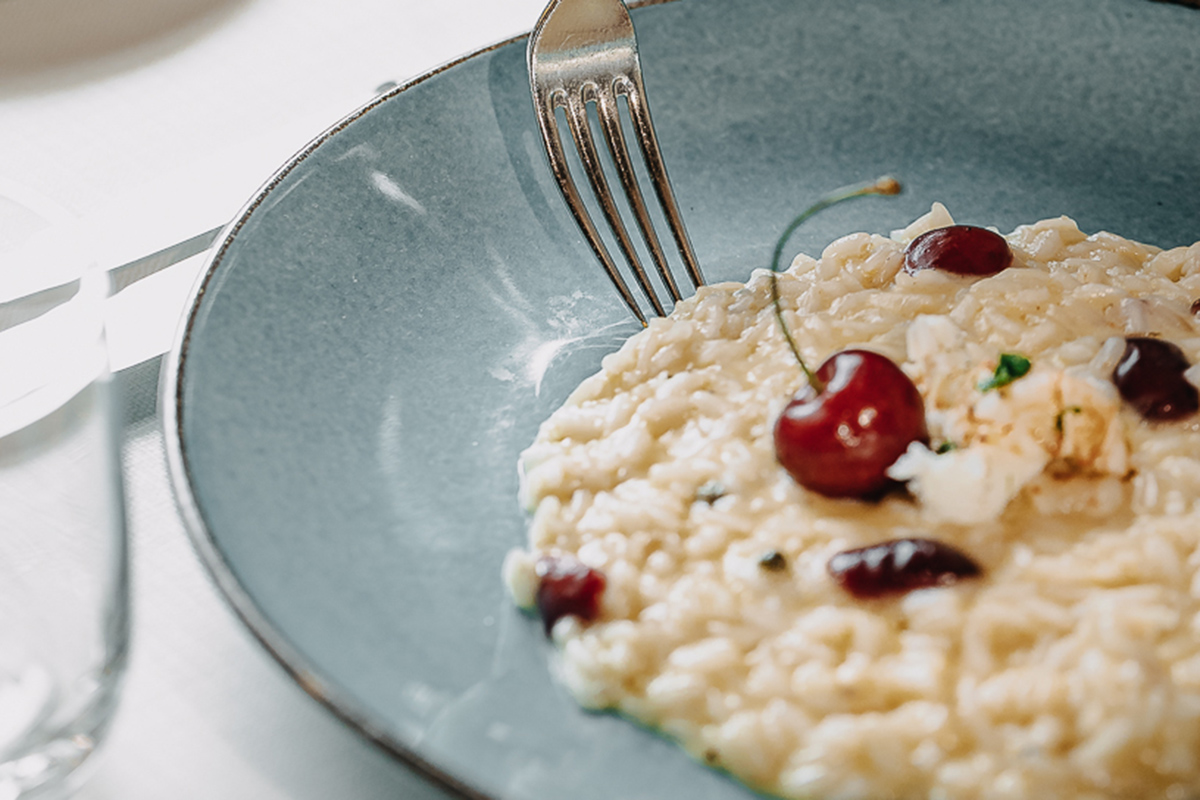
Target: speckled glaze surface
x,y
389,320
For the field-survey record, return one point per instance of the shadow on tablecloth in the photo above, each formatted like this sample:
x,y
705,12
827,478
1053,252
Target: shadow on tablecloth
x,y
45,44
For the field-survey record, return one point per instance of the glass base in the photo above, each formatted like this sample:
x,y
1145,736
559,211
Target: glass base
x,y
51,765
64,622
52,773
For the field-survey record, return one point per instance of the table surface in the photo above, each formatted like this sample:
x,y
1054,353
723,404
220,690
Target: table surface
x,y
151,123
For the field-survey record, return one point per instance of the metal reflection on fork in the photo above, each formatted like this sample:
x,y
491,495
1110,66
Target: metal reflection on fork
x,y
583,52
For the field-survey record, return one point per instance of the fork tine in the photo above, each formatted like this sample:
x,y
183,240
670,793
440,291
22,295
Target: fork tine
x,y
640,112
585,51
581,132
610,117
558,165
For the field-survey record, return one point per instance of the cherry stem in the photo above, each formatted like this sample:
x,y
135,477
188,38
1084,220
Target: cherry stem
x,y
882,186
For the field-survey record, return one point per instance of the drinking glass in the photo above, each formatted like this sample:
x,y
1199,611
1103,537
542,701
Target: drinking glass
x,y
63,563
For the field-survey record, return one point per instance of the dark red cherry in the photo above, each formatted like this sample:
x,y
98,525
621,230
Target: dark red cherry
x,y
567,587
1149,377
899,565
840,441
961,249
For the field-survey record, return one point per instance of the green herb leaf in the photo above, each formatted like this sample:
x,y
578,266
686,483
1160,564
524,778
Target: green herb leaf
x,y
1010,367
1058,419
773,561
710,492
945,447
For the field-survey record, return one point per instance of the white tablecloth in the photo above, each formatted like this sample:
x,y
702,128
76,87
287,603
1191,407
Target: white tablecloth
x,y
151,121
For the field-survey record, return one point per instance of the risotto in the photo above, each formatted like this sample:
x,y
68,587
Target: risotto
x,y
1068,668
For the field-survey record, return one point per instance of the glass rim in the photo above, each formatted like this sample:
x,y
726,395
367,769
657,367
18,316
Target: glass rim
x,y
52,346
55,254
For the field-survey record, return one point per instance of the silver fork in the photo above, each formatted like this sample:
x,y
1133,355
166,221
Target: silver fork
x,y
581,52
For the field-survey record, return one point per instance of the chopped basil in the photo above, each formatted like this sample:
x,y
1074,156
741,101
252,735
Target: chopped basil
x,y
773,561
945,447
1010,367
711,492
1058,419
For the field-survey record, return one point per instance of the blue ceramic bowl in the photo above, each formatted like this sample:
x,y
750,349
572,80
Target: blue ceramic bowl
x,y
394,313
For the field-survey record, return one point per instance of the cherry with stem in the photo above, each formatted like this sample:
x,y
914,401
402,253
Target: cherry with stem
x,y
859,411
